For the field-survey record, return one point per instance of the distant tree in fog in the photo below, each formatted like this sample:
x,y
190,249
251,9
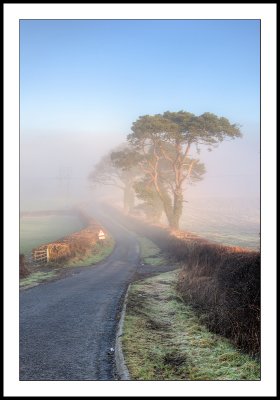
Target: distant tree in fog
x,y
107,172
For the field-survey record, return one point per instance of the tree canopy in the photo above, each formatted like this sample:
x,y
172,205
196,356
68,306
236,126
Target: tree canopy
x,y
160,159
110,171
162,145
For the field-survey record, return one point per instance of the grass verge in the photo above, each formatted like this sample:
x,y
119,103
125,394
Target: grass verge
x,y
164,340
54,270
150,252
98,253
221,283
35,278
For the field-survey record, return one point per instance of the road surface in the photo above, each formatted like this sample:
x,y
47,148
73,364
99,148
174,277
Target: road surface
x,y
68,327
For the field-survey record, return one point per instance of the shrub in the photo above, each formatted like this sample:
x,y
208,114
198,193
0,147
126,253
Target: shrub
x,y
77,244
222,283
224,288
23,269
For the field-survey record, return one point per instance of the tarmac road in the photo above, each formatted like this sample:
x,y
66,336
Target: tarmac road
x,y
68,327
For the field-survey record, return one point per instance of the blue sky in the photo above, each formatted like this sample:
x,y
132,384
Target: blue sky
x,y
84,82
99,76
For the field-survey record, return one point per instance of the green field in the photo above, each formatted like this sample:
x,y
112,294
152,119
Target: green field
x,y
38,230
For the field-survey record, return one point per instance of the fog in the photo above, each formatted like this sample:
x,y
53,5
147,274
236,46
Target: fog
x,y
84,82
54,169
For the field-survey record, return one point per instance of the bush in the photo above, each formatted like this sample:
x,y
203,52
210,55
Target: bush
x,y
23,269
224,288
222,283
77,244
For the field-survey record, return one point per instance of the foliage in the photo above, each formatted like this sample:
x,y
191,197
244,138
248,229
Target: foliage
x,y
157,162
110,171
222,283
162,145
23,269
98,252
151,202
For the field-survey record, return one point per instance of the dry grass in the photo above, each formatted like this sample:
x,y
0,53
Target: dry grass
x,y
150,252
75,245
80,249
164,339
98,252
222,283
35,278
23,269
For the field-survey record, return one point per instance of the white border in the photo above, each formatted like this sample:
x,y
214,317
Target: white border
x,y
267,14
141,11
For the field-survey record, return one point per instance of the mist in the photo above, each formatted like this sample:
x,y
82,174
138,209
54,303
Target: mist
x,y
54,168
84,83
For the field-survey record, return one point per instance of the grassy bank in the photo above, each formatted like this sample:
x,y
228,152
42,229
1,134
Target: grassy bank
x,y
74,251
37,277
164,340
99,252
223,286
150,253
221,283
56,270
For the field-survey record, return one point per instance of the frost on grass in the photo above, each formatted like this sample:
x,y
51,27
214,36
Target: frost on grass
x,y
98,253
164,340
150,252
36,278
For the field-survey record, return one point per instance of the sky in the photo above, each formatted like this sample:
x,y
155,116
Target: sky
x,y
84,82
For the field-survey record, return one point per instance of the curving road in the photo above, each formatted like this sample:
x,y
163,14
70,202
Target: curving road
x,y
68,327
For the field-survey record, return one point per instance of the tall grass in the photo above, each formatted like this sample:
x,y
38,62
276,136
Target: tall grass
x,y
76,244
222,283
163,339
23,269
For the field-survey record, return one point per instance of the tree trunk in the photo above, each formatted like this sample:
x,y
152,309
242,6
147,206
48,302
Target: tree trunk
x,y
173,212
167,207
128,198
177,208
